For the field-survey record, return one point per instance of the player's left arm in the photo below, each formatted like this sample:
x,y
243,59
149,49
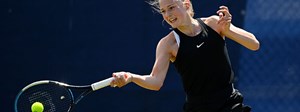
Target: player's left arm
x,y
242,37
239,35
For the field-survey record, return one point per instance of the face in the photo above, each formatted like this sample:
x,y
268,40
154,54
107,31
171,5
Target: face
x,y
173,12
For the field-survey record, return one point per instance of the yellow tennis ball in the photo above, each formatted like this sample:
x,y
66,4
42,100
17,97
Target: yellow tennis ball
x,y
37,107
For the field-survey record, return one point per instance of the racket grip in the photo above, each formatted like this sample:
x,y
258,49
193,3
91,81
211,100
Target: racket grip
x,y
102,84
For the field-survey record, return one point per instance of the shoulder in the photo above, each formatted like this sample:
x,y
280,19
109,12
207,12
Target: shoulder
x,y
212,21
167,43
167,40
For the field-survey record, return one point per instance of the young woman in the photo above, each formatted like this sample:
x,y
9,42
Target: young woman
x,y
196,46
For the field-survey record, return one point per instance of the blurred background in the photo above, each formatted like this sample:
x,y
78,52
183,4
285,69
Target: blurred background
x,y
83,41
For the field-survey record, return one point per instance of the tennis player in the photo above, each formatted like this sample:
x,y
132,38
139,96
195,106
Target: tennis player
x,y
196,46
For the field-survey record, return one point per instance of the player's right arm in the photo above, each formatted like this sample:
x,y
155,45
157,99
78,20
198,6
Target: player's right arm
x,y
155,79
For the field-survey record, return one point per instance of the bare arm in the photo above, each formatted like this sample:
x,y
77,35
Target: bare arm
x,y
242,37
153,81
223,25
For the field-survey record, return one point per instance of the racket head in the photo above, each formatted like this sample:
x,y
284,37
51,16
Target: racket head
x,y
54,96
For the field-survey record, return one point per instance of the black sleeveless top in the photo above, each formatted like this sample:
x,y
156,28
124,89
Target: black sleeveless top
x,y
204,66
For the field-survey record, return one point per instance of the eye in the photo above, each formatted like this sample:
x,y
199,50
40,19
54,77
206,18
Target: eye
x,y
171,8
162,11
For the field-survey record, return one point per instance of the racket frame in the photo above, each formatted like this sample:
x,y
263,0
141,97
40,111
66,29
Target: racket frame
x,y
87,89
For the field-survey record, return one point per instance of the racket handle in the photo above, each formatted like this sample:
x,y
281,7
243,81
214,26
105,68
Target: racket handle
x,y
102,84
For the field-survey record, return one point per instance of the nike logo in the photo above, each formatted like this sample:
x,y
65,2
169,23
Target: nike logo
x,y
198,46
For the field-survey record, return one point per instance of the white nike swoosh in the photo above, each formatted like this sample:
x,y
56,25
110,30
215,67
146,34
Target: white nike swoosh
x,y
198,46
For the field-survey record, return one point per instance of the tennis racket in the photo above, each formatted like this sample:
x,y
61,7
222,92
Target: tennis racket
x,y
55,96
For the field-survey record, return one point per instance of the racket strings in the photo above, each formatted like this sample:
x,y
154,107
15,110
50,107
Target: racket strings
x,y
53,97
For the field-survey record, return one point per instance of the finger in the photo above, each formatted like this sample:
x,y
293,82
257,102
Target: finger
x,y
118,80
115,80
224,7
228,20
221,14
221,17
112,83
114,75
225,21
224,18
224,11
121,79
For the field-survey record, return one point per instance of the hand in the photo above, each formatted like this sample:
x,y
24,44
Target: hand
x,y
225,19
121,79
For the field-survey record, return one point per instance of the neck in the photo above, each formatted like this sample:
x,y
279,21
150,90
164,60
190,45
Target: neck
x,y
191,27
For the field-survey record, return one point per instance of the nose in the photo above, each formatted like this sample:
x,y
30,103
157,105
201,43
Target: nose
x,y
168,13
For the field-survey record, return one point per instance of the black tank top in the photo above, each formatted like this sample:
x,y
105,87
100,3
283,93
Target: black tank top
x,y
203,64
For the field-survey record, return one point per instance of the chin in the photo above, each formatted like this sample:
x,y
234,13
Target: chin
x,y
173,25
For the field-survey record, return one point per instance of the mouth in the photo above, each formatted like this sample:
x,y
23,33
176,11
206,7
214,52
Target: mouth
x,y
172,20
